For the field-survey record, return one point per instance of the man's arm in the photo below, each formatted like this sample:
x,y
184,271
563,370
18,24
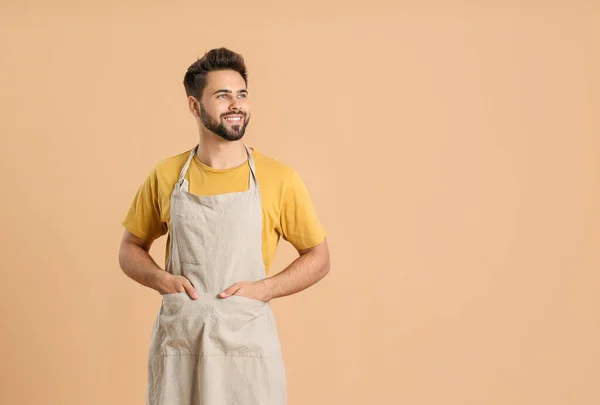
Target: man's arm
x,y
137,264
311,266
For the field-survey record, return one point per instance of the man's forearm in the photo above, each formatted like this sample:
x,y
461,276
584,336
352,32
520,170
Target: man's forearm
x,y
138,265
303,272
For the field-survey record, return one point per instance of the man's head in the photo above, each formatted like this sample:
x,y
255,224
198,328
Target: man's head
x,y
216,86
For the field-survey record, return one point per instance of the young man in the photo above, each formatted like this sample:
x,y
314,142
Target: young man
x,y
224,206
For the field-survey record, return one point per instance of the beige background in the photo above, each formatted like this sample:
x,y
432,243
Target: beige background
x,y
451,149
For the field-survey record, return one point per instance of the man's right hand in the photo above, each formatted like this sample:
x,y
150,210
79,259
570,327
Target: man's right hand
x,y
174,284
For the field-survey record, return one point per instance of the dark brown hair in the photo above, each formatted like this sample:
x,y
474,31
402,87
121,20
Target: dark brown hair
x,y
215,59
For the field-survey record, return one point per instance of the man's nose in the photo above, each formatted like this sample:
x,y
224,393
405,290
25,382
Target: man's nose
x,y
235,104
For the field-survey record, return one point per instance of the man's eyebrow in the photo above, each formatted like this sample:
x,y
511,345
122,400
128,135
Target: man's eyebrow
x,y
229,91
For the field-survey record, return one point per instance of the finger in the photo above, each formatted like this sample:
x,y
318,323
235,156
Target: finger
x,y
229,291
189,288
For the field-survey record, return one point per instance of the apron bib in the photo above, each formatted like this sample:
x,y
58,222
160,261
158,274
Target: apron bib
x,y
215,351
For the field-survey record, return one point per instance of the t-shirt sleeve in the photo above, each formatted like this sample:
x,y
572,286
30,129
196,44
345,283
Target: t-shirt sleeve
x,y
300,224
144,218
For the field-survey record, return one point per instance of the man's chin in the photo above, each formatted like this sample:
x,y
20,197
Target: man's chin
x,y
232,137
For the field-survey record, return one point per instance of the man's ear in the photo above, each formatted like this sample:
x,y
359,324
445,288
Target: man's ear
x,y
194,106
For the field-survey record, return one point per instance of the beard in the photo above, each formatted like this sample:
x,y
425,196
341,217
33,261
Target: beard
x,y
226,131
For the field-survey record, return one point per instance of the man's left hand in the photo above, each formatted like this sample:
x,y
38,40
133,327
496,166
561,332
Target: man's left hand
x,y
250,289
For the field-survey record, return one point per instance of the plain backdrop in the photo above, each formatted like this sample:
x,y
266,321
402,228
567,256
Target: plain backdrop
x,y
451,150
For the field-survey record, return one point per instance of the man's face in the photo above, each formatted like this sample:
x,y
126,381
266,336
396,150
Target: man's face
x,y
224,106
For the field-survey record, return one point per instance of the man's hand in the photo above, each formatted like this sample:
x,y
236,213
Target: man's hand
x,y
170,284
257,290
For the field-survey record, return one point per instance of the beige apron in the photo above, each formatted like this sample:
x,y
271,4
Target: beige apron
x,y
215,351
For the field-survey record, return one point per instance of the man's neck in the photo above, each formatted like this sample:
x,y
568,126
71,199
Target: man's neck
x,y
220,154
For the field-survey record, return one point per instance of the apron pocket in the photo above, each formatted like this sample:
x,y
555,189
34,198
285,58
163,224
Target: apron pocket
x,y
181,325
189,237
239,327
191,250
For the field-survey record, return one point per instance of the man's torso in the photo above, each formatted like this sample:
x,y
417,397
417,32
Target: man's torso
x,y
286,205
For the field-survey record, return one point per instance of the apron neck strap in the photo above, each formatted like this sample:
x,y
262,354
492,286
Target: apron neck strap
x,y
252,181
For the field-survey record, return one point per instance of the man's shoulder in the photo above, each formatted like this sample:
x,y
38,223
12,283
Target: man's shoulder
x,y
166,172
171,165
269,167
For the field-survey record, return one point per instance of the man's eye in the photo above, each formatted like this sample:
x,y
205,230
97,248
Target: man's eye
x,y
243,95
222,95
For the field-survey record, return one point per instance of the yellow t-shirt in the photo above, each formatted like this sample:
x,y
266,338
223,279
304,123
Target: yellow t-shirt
x,y
288,211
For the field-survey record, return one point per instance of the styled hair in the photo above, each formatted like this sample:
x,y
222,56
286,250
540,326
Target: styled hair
x,y
215,59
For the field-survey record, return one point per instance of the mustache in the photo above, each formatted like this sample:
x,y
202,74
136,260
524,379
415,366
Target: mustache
x,y
233,115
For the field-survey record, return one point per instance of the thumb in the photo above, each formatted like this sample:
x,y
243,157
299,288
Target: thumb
x,y
229,291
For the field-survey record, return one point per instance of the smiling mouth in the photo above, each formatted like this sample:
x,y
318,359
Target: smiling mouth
x,y
234,119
